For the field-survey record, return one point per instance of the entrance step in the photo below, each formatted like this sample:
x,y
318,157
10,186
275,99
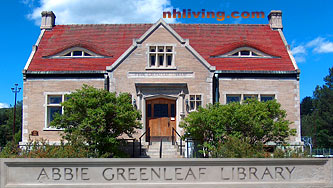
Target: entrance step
x,y
168,150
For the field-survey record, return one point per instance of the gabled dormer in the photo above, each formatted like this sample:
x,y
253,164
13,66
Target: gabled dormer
x,y
245,52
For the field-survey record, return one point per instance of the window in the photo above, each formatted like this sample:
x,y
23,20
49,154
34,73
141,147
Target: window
x,y
195,102
247,52
242,97
233,98
160,110
264,98
161,56
77,53
251,96
53,107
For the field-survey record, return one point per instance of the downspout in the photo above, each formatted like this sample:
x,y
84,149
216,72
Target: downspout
x,y
216,80
106,82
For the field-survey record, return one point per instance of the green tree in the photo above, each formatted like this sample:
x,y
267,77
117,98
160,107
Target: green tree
x,y
306,116
97,118
307,106
252,122
6,124
322,114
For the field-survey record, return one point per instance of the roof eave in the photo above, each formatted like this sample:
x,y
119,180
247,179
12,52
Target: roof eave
x,y
64,72
255,72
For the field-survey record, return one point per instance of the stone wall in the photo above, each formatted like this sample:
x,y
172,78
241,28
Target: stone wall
x,y
188,70
35,93
286,92
213,173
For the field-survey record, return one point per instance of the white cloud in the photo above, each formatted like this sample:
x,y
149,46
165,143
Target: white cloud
x,y
299,53
102,11
300,59
321,45
4,105
317,46
298,50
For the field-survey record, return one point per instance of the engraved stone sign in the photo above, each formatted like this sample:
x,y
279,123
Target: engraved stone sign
x,y
166,173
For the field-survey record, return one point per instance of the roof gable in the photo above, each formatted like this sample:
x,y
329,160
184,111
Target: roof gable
x,y
159,23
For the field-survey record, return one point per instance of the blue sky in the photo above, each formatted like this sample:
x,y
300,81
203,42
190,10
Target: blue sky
x,y
308,28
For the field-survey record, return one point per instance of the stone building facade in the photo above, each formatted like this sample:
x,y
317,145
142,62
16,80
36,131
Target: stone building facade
x,y
169,69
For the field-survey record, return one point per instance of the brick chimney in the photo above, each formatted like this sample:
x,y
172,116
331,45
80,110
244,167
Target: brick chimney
x,y
275,19
48,20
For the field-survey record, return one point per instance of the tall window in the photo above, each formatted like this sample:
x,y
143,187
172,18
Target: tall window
x,y
53,107
195,102
161,56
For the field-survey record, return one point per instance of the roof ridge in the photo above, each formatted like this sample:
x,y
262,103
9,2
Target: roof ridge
x,y
101,24
168,24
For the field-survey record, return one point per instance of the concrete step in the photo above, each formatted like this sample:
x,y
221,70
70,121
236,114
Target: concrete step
x,y
153,150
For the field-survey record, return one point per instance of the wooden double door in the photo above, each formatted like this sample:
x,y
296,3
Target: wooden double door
x,y
160,118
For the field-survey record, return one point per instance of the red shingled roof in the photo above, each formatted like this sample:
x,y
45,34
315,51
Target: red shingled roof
x,y
208,40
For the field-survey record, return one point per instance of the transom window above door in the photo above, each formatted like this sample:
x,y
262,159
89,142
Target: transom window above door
x,y
161,57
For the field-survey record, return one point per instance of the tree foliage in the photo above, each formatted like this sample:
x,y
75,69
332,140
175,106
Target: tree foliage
x,y
6,124
42,149
97,118
323,113
318,121
253,122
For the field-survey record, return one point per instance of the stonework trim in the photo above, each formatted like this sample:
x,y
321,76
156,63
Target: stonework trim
x,y
89,172
200,58
137,42
164,74
155,26
34,49
288,50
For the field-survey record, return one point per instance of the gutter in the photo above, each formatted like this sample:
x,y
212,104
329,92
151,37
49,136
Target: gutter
x,y
63,72
256,72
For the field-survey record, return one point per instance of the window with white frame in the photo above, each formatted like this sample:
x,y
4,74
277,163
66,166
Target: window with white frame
x,y
265,98
195,102
247,52
242,97
76,52
250,96
53,107
161,57
233,98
